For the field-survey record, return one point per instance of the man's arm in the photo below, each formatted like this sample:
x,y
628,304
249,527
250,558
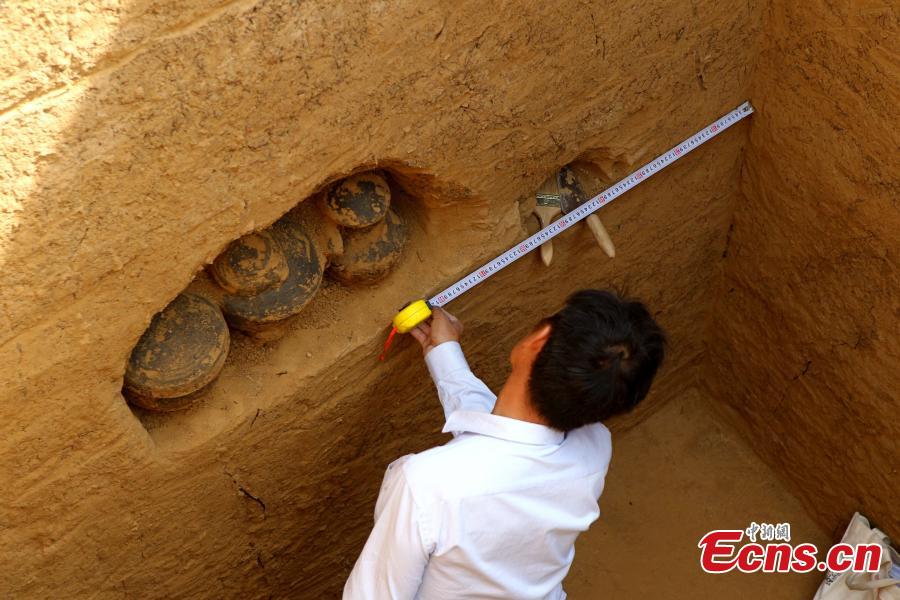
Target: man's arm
x,y
457,386
394,558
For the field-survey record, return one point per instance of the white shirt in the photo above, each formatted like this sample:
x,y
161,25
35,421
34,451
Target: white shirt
x,y
493,513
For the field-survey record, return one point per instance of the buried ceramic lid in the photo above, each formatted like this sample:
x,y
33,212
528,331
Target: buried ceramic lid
x,y
250,265
371,253
182,350
360,200
284,298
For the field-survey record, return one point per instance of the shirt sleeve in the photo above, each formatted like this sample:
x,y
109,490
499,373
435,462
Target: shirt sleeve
x,y
394,558
457,386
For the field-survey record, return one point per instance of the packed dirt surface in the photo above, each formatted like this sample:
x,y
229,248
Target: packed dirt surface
x,y
138,139
678,476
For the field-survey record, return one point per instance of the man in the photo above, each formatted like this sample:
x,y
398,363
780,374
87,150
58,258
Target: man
x,y
494,512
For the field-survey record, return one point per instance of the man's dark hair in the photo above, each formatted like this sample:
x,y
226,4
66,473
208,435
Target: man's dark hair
x,y
599,361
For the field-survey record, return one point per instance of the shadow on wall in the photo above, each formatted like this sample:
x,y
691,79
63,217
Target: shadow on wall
x,y
81,142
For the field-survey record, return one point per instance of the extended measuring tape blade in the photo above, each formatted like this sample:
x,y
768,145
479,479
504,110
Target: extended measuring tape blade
x,y
582,212
418,311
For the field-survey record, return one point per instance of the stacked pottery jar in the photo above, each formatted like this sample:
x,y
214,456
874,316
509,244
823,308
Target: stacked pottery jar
x,y
259,283
181,352
373,234
267,277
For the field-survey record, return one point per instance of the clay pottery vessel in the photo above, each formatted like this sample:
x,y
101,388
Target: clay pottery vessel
x,y
325,233
370,253
181,352
268,275
361,200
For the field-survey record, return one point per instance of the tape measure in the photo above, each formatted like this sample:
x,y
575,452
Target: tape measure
x,y
417,312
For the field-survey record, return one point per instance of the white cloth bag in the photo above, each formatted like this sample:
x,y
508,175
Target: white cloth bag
x,y
864,586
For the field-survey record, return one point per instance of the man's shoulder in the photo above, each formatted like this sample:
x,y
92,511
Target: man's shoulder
x,y
449,470
595,435
454,455
477,465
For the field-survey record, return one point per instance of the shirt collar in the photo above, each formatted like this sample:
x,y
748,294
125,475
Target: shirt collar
x,y
504,428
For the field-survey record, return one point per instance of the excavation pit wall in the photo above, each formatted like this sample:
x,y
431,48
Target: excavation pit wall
x,y
138,143
127,171
803,339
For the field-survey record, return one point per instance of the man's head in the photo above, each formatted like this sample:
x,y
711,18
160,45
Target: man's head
x,y
594,359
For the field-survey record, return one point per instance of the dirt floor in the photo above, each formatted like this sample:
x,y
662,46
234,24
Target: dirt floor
x,y
673,478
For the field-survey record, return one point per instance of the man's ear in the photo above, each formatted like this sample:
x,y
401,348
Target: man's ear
x,y
539,337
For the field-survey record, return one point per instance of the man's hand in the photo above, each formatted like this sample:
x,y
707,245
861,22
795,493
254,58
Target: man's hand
x,y
441,327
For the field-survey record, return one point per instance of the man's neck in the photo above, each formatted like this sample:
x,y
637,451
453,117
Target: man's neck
x,y
514,400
